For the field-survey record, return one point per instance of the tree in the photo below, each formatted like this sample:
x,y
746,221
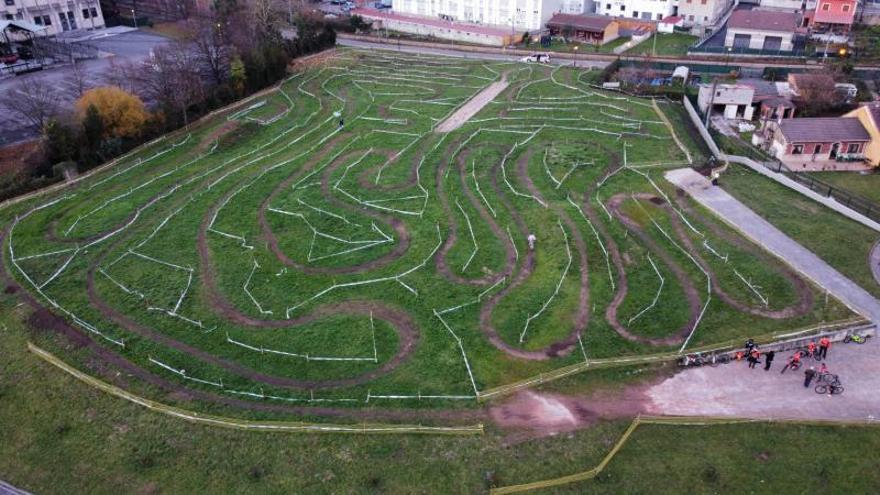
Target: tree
x,y
358,24
34,101
206,35
60,141
122,114
171,78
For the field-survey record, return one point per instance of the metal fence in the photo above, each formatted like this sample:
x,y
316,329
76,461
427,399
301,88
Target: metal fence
x,y
855,202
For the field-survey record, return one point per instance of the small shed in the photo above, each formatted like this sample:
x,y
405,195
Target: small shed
x,y
595,29
680,74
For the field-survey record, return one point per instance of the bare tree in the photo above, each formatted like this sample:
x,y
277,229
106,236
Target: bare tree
x,y
34,101
78,78
121,75
171,77
207,38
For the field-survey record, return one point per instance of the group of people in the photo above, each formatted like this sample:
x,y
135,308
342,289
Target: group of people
x,y
753,356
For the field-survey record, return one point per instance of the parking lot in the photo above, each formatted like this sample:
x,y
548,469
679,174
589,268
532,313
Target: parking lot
x,y
131,46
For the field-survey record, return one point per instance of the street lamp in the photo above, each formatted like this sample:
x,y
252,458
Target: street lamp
x,y
727,63
576,55
134,18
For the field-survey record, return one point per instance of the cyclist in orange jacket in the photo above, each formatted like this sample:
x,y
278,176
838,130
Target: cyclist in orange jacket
x,y
811,348
824,344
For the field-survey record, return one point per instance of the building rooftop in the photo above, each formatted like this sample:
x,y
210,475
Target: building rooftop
x,y
835,14
823,130
763,20
589,23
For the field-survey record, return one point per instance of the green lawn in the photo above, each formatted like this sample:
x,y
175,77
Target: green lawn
x,y
841,242
864,185
671,44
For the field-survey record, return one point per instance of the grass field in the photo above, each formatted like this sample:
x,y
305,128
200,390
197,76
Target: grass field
x,y
866,186
666,45
841,242
323,252
324,245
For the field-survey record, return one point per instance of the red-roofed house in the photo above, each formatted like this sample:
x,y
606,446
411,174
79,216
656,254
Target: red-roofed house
x,y
834,16
594,29
836,143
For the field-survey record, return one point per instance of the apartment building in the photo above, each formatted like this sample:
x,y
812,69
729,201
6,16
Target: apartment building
x,y
702,12
56,15
647,10
518,15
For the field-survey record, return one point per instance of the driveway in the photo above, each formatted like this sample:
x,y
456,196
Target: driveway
x,y
133,46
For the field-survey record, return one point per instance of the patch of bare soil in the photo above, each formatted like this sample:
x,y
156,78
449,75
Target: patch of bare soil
x,y
216,134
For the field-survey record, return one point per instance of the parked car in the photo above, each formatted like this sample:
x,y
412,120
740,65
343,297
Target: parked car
x,y
541,58
9,58
381,5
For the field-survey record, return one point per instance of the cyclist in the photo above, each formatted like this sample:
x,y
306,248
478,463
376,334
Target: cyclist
x,y
811,348
754,358
824,344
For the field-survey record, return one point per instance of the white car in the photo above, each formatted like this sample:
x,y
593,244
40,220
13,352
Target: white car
x,y
541,58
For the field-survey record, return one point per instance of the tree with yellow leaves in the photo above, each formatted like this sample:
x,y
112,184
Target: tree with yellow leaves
x,y
122,114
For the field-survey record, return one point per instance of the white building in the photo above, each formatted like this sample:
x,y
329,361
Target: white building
x,y
647,10
734,100
518,15
56,15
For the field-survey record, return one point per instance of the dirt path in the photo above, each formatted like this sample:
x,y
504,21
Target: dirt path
x,y
472,106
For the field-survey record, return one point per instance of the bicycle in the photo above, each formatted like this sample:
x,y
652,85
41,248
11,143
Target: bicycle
x,y
832,388
793,364
698,359
827,378
806,353
858,339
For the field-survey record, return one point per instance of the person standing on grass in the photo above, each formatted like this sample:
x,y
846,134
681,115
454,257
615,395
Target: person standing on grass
x,y
768,358
808,376
531,239
824,344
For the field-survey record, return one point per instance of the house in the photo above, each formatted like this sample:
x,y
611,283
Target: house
x,y
510,14
702,12
734,99
56,17
456,31
668,24
819,143
869,116
834,16
593,29
646,10
740,100
761,30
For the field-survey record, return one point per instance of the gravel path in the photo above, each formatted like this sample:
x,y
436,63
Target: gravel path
x,y
472,106
736,390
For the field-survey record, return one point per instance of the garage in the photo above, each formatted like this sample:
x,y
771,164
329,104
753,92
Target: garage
x,y
742,40
773,42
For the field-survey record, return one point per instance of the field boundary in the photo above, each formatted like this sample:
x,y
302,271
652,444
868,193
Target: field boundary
x,y
673,421
766,339
249,425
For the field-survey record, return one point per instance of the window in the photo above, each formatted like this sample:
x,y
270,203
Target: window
x,y
85,13
8,17
636,14
705,18
797,149
826,6
817,149
853,148
94,12
10,2
623,8
846,8
659,17
43,20
690,18
607,6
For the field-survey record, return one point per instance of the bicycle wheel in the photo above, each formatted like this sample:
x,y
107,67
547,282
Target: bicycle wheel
x,y
836,390
713,361
795,366
821,389
724,359
847,339
817,356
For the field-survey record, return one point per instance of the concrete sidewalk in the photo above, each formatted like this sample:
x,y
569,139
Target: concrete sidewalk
x,y
761,232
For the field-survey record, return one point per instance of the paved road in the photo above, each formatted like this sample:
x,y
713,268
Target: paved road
x,y
735,390
750,224
132,46
7,489
451,52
